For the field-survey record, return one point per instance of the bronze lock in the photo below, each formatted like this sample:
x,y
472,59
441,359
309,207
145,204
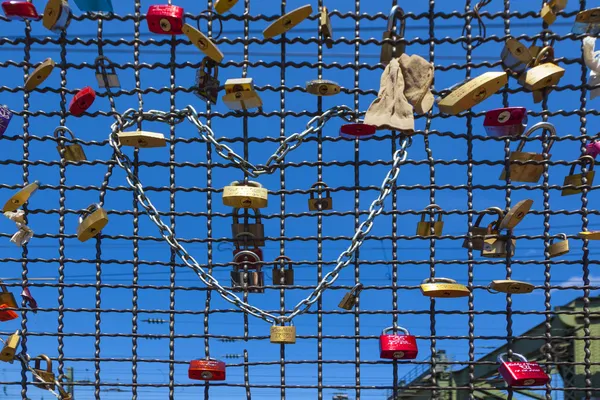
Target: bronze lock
x,y
316,204
281,275
550,9
241,95
7,354
46,378
529,172
543,74
256,230
40,74
495,245
91,222
577,179
424,228
468,94
245,195
203,43
479,232
443,287
21,197
142,139
510,286
394,46
73,152
56,15
349,299
322,87
6,297
283,334
515,56
515,215
326,31
247,274
559,248
287,21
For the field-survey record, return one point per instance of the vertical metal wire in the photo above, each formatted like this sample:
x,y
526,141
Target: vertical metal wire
x,y
173,85
357,192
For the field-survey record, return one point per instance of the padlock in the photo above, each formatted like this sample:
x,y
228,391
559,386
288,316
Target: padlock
x,y
349,299
203,43
322,87
20,11
45,378
73,152
472,92
7,354
222,6
516,214
241,95
326,31
256,230
424,227
394,46
431,287
142,139
495,245
592,149
529,172
587,22
543,74
559,248
550,9
246,240
21,197
521,373
245,195
95,5
82,101
6,297
577,179
479,232
106,71
510,286
7,315
207,370
91,222
39,74
283,334
56,15
63,393
358,130
281,275
515,56
245,279
5,117
287,21
509,121
397,347
165,19
324,203
207,84
589,235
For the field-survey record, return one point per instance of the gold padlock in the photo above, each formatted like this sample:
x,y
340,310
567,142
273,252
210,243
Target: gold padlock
x,y
559,248
39,75
516,214
443,287
587,22
245,195
543,74
393,46
478,232
282,276
424,227
21,197
515,56
349,299
325,203
326,30
246,233
287,21
241,95
529,172
510,286
550,9
577,179
56,15
91,222
7,354
203,43
322,87
142,139
6,297
222,6
73,152
45,378
495,245
589,235
472,92
283,334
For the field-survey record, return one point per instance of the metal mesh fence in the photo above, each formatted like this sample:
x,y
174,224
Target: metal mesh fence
x,y
122,315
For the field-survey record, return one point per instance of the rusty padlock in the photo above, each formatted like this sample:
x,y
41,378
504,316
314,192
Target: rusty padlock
x,y
45,377
91,222
256,229
207,84
559,248
245,279
394,45
397,347
349,300
521,373
496,245
324,203
73,152
207,370
281,275
577,179
508,121
165,19
424,227
478,232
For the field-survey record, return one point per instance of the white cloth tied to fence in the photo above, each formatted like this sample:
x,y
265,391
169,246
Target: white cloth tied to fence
x,y
592,60
24,234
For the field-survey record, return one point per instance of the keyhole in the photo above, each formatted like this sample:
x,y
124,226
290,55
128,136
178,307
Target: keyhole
x,y
323,89
93,230
202,43
446,293
287,22
206,375
504,116
15,201
142,142
247,202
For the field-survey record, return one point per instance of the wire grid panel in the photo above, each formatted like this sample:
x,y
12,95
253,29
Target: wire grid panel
x,y
121,316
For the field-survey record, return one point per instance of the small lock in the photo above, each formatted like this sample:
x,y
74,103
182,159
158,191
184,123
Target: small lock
x,y
39,74
7,354
515,56
248,242
73,152
95,5
508,121
326,30
245,195
207,370
496,245
287,21
56,15
443,287
20,11
424,227
548,14
5,117
542,75
349,300
246,274
281,275
203,43
241,95
587,22
397,347
222,6
106,74
82,101
91,222
283,334
471,93
510,286
165,19
358,130
577,179
6,297
515,215
559,248
393,43
589,235
45,377
521,373
142,139
256,229
207,84
21,197
478,232
325,203
322,87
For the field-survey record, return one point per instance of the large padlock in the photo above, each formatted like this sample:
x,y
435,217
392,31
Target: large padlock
x,y
543,74
324,203
357,130
241,95
322,87
21,197
349,299
257,229
39,74
515,56
82,101
207,84
394,45
91,222
203,43
283,334
73,152
95,5
443,287
589,235
515,215
397,347
559,248
592,149
326,30
6,297
468,94
7,354
246,240
222,6
245,195
424,227
165,19
521,373
478,232
496,245
56,15
281,275
245,279
529,172
106,72
142,139
287,21
207,370
508,121
20,11
510,286
577,179
5,117
44,378
587,22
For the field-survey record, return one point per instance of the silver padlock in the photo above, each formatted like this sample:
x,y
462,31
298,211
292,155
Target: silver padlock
x,y
393,48
111,76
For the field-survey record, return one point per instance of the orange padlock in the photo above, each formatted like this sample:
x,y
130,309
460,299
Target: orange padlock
x,y
207,370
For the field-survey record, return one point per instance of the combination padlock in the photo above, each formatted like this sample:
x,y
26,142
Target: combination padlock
x,y
91,222
424,227
245,279
471,93
542,75
496,245
326,30
106,71
6,297
357,130
322,87
393,43
521,373
165,19
56,15
21,197
73,152
550,9
39,74
587,22
245,195
577,179
222,6
529,172
44,378
515,56
559,248
207,370
287,21
82,101
478,232
203,43
324,203
281,275
241,95
349,300
508,121
142,139
5,117
443,287
515,215
397,347
95,5
7,354
247,240
283,334
592,149
589,235
20,11
510,286
256,229
207,84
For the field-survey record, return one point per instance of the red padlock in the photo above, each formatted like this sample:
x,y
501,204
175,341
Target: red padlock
x,y
165,19
7,315
592,149
82,101
207,370
358,130
522,373
20,10
399,347
509,121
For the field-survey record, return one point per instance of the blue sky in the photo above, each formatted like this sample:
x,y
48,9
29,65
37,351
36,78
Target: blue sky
x,y
372,269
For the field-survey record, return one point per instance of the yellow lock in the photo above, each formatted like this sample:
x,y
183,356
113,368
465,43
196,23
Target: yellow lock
x,y
73,152
577,179
39,75
443,287
495,245
349,299
222,6
56,15
543,74
45,377
7,354
245,195
478,232
510,286
142,139
203,43
550,9
21,197
559,248
472,92
241,95
322,87
424,227
589,235
326,30
287,21
516,214
91,222
283,334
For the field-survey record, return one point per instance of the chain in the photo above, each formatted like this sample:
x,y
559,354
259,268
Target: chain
x,y
290,143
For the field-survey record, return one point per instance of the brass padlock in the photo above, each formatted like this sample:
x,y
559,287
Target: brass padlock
x,y
256,230
45,379
56,15
479,232
589,235
587,22
443,287
241,95
21,197
245,195
207,82
287,21
324,203
529,172
559,248
6,297
543,74
247,275
73,152
283,334
39,74
222,6
550,9
7,354
326,30
510,286
495,245
349,299
473,92
282,276
424,227
63,393
108,72
577,179
91,222
394,46
322,87
203,43
515,56
142,139
516,214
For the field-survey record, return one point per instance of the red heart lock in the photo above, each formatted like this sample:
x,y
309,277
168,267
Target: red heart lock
x,y
82,101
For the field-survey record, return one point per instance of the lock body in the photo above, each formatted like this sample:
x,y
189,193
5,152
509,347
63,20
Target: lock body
x,y
287,21
287,275
542,76
444,290
577,180
399,347
283,334
250,257
559,248
207,84
56,15
21,197
516,214
325,203
587,21
472,93
20,11
73,152
5,117
523,374
241,95
95,5
92,224
589,235
255,231
45,378
7,298
7,354
515,56
40,74
251,281
82,101
245,196
511,286
495,246
322,87
164,19
203,43
222,6
112,79
424,228
527,172
326,30
207,370
478,234
348,301
509,121
142,139
390,50
357,131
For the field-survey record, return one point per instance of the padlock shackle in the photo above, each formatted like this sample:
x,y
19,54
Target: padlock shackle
x,y
208,64
497,210
248,253
87,211
3,287
560,235
396,13
282,260
539,125
44,357
581,161
434,207
517,355
325,189
63,129
236,211
395,328
436,280
545,51
357,289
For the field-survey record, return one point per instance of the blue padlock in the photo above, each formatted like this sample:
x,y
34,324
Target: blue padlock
x,y
95,5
